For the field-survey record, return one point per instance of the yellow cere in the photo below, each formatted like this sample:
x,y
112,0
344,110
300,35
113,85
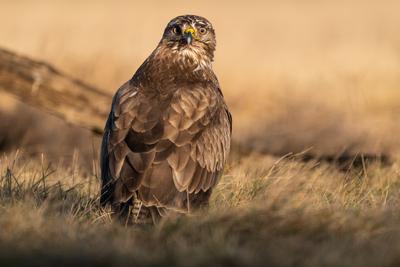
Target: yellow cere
x,y
192,31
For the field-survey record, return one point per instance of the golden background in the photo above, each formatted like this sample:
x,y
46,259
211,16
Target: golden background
x,y
297,74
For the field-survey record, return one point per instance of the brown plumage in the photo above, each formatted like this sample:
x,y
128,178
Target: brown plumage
x,y
168,134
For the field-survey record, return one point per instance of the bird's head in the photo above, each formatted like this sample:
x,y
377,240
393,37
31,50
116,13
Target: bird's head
x,y
190,37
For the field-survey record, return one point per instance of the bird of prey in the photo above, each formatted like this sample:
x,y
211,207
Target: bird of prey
x,y
168,134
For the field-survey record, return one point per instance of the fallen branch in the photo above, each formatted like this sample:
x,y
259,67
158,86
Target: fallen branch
x,y
41,85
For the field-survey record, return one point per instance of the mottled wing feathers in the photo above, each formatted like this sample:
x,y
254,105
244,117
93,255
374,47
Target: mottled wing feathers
x,y
166,147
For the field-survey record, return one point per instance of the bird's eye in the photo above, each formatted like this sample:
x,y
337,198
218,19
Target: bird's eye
x,y
176,30
202,30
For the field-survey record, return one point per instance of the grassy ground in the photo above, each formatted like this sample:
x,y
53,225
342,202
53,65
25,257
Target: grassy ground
x,y
320,74
265,211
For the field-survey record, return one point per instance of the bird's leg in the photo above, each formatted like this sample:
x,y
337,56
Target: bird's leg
x,y
122,212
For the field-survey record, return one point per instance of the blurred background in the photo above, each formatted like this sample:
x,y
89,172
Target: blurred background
x,y
321,76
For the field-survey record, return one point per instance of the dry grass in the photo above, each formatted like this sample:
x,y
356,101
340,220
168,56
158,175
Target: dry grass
x,y
320,76
265,211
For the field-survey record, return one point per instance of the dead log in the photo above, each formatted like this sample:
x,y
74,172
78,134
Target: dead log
x,y
40,85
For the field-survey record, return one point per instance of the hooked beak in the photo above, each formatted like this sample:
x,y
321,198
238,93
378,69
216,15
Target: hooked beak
x,y
188,35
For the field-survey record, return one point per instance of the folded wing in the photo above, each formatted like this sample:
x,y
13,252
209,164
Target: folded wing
x,y
168,149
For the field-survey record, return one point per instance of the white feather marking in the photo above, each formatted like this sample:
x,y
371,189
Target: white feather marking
x,y
133,94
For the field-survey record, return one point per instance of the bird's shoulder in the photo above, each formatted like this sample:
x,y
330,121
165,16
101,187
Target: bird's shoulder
x,y
189,96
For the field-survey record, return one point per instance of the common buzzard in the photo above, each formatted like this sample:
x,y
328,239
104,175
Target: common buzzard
x,y
168,134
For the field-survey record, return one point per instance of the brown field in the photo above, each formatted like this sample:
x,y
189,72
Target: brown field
x,y
307,82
